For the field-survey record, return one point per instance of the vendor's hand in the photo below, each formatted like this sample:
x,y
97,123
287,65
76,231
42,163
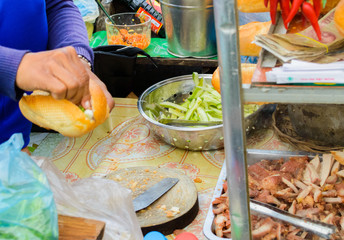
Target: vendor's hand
x,y
109,98
60,72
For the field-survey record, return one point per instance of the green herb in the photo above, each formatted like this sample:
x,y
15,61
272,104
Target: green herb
x,y
204,104
82,108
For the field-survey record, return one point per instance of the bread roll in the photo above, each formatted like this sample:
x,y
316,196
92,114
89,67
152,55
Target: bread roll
x,y
247,34
330,4
339,17
251,6
215,80
62,115
247,70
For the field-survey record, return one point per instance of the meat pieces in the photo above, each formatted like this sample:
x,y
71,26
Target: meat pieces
x,y
311,188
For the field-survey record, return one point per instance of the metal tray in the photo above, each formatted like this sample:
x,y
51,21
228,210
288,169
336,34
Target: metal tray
x,y
253,156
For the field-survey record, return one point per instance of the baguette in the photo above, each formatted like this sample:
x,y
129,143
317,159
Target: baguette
x,y
339,17
247,34
247,70
64,116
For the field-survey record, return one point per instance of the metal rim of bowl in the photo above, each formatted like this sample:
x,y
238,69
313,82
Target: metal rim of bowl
x,y
165,82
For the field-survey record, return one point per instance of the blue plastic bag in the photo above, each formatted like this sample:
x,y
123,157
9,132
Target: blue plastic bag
x,y
88,9
27,206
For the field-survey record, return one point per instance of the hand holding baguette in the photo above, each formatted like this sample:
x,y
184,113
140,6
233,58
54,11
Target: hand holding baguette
x,y
60,82
59,72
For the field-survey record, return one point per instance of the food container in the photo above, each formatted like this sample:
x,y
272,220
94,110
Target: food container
x,y
175,90
130,29
201,138
190,28
253,156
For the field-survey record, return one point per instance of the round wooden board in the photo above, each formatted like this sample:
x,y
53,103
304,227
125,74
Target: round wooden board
x,y
155,217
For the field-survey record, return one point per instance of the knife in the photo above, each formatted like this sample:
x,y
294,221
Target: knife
x,y
153,193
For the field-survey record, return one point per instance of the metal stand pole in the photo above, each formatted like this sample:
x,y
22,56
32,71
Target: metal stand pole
x,y
226,18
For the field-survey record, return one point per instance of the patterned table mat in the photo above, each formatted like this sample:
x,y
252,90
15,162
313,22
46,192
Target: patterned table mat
x,y
124,140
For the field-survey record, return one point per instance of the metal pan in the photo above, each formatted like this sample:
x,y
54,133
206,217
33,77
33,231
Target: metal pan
x,y
253,156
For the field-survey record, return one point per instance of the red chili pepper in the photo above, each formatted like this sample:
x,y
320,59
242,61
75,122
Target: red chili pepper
x,y
273,10
285,8
266,2
317,7
309,13
294,9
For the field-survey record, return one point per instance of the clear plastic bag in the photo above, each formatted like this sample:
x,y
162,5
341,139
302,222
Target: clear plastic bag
x,y
27,207
95,198
88,9
245,18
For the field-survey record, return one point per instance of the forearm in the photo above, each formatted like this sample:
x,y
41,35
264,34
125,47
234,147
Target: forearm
x,y
66,27
9,62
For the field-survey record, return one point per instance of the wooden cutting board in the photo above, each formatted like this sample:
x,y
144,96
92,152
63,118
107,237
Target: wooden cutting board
x,y
174,210
77,228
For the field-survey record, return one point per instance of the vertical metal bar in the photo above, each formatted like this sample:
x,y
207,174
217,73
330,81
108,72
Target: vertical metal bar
x,y
226,18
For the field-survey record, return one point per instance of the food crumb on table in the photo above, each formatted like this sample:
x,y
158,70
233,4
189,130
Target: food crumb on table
x,y
198,180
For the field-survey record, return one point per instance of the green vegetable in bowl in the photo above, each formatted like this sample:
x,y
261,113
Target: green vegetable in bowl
x,y
204,104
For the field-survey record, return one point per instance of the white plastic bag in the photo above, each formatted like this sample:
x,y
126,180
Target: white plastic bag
x,y
95,198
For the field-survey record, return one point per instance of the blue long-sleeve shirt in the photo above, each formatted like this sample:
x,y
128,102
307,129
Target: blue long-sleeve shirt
x,y
34,25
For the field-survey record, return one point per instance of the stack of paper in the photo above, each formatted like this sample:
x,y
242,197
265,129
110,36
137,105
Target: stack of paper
x,y
298,72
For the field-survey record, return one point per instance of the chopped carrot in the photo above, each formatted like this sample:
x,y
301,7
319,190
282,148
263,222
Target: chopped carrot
x,y
135,39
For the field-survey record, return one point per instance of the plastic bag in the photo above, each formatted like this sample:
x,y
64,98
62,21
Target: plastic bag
x,y
27,207
245,18
88,9
95,198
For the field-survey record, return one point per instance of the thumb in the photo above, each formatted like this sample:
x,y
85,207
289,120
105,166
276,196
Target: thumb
x,y
86,100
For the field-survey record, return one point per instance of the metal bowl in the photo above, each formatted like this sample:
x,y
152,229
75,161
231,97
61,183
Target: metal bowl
x,y
175,90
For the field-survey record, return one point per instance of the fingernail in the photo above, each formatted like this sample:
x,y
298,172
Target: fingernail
x,y
87,105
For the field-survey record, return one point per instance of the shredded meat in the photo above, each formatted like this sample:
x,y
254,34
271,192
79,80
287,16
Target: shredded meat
x,y
311,188
295,166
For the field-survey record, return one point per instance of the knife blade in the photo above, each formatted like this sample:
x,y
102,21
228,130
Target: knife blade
x,y
153,193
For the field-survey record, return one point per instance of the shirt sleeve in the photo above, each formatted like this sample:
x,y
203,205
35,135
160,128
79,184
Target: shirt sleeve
x,y
66,28
9,63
